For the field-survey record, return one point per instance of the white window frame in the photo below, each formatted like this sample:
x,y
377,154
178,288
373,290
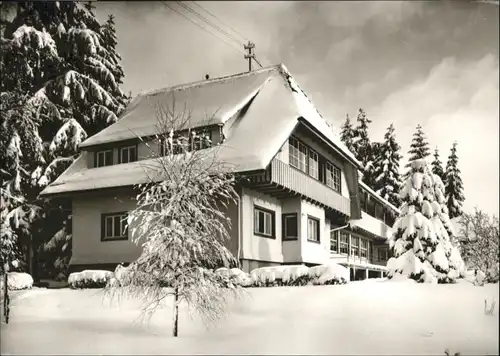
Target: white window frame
x,y
363,248
344,244
111,219
103,153
129,149
354,250
333,176
334,238
268,222
313,164
298,154
313,229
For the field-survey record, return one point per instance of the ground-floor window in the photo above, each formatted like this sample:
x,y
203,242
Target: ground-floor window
x,y
312,229
382,253
334,241
354,246
114,226
344,242
290,226
363,248
263,222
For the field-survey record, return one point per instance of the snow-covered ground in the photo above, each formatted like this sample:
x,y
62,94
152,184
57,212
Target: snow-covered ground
x,y
368,317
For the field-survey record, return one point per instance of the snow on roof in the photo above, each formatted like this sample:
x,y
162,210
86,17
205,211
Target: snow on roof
x,y
382,200
273,105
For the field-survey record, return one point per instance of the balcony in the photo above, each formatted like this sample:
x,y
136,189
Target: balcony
x,y
281,181
372,225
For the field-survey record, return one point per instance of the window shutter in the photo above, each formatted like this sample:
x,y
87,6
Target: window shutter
x,y
103,226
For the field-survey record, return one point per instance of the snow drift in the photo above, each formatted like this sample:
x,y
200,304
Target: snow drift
x,y
89,279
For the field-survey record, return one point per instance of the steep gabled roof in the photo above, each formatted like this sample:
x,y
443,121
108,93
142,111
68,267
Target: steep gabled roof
x,y
273,104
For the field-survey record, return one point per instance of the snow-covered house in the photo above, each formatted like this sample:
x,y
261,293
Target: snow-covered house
x,y
303,202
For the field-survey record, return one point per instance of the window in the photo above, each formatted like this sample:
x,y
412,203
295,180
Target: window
x,y
263,222
297,154
290,226
354,246
127,154
344,242
332,176
103,158
313,164
382,254
312,229
370,249
363,248
362,199
379,211
334,241
186,142
114,226
370,207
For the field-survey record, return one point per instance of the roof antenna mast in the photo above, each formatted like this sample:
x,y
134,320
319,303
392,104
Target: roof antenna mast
x,y
250,55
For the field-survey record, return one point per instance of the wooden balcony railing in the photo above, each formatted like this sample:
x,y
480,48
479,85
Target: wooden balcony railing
x,y
305,185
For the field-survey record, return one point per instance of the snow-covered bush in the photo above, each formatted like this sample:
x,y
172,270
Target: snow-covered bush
x,y
299,275
236,276
331,273
89,279
17,281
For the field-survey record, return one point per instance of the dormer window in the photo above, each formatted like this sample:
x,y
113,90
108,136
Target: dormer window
x,y
127,154
186,142
103,158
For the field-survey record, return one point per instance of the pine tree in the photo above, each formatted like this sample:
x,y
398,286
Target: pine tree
x,y
363,148
420,244
62,85
454,188
386,168
437,166
419,148
347,133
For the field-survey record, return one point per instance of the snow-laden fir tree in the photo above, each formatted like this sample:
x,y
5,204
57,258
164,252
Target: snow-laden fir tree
x,y
419,149
347,133
182,228
386,168
420,244
454,187
363,147
62,77
437,166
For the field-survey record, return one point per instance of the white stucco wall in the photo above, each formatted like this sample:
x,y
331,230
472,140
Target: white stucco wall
x,y
87,247
255,247
313,252
292,248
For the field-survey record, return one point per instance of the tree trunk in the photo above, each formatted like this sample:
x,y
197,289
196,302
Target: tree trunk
x,y
6,297
176,312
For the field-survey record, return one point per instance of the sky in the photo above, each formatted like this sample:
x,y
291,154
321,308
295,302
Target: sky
x,y
433,63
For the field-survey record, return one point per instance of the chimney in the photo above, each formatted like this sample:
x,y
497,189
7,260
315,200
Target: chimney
x,y
207,76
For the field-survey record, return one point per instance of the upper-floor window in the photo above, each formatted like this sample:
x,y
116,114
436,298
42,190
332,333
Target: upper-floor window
x,y
127,154
263,222
186,142
297,154
103,158
313,231
313,164
114,226
382,254
290,226
332,176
